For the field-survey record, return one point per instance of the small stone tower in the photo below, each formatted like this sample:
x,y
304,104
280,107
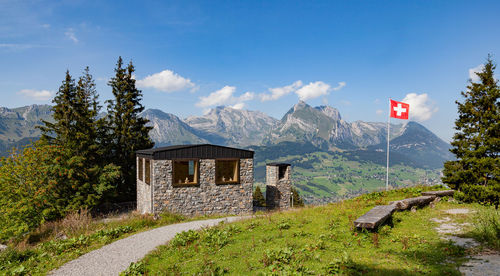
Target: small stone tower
x,y
278,185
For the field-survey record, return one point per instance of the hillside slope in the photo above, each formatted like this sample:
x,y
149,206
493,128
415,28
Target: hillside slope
x,y
18,125
318,241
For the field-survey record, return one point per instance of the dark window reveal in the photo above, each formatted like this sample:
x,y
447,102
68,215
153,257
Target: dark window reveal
x,y
141,169
185,172
148,171
281,172
227,171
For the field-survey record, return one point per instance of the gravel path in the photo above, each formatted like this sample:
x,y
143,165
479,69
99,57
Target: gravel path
x,y
478,265
115,257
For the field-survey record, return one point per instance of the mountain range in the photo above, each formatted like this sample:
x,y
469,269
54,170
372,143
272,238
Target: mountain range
x,y
322,127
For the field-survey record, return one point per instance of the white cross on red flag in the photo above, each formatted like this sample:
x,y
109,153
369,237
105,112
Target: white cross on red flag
x,y
399,110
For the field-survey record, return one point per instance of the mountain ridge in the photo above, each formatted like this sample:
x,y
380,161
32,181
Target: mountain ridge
x,y
321,126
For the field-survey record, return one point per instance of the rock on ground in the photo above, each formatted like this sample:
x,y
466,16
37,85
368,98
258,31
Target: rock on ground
x,y
482,265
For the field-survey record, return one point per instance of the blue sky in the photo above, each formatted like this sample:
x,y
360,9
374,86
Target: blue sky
x,y
260,55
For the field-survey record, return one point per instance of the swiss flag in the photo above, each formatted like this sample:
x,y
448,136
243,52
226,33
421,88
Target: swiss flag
x,y
399,110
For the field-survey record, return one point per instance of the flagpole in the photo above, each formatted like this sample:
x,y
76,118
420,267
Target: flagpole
x,y
388,126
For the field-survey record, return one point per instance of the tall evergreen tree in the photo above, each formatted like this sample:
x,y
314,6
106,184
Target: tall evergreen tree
x,y
61,132
75,131
129,131
476,144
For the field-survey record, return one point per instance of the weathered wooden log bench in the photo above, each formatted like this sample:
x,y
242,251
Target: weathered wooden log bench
x,y
439,193
379,214
376,216
407,203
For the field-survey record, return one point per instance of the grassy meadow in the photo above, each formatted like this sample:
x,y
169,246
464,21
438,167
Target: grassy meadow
x,y
318,241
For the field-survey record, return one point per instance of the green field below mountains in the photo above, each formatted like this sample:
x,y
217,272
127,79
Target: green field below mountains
x,y
324,177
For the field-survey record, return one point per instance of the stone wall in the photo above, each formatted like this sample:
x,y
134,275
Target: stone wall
x,y
206,197
278,190
143,191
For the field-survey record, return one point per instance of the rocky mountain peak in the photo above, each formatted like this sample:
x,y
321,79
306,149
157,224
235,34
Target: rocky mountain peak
x,y
238,126
300,105
329,111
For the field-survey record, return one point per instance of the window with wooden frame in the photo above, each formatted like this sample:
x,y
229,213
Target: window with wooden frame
x,y
147,170
227,171
140,166
185,172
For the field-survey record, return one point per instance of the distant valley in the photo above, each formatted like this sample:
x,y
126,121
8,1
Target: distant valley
x,y
331,157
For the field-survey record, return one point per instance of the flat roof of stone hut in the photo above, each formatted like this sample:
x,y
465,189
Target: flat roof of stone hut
x,y
200,151
278,164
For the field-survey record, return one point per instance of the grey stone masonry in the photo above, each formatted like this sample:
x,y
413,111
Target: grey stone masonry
x,y
278,189
204,198
143,190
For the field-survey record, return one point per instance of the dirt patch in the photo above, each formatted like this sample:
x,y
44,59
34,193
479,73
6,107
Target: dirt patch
x,y
458,211
482,264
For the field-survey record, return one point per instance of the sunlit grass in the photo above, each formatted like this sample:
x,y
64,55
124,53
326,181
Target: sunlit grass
x,y
318,240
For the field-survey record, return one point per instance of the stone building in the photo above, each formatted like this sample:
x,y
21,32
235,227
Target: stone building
x,y
195,179
278,185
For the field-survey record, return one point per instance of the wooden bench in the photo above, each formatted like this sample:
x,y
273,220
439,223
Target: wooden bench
x,y
379,214
376,216
439,193
407,203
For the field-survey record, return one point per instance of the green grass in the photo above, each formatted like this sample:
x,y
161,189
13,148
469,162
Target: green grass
x,y
487,227
317,241
48,252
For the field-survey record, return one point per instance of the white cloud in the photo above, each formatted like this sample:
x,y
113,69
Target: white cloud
x,y
472,72
340,86
238,106
166,81
317,89
37,95
245,97
70,34
313,90
224,96
279,92
421,107
218,97
379,112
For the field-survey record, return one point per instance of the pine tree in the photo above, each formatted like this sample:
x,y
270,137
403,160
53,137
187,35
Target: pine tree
x,y
129,131
61,132
476,144
258,198
75,131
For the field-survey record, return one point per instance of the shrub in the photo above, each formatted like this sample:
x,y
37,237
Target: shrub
x,y
283,225
214,237
134,269
43,183
278,257
184,238
487,227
